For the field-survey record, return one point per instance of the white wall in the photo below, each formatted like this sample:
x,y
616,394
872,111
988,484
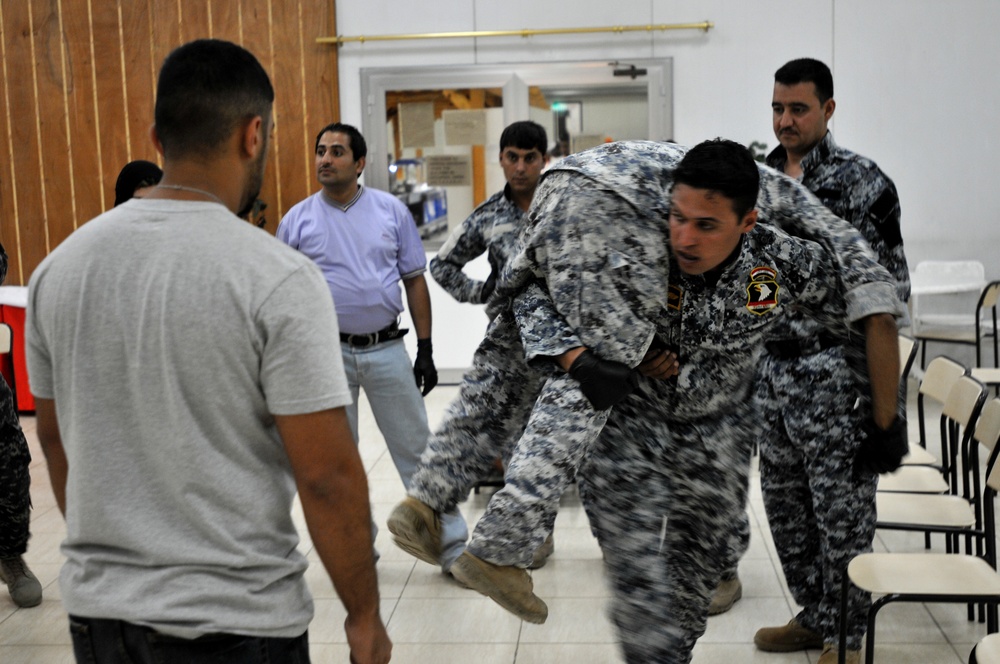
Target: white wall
x,y
915,82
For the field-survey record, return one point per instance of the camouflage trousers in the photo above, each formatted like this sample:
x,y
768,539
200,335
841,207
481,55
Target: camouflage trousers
x,y
15,482
821,510
507,408
662,498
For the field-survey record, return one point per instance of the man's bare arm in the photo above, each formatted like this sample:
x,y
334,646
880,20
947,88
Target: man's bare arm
x,y
418,298
334,494
52,447
882,345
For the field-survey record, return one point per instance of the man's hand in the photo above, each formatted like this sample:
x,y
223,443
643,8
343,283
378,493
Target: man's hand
x,y
659,363
882,450
423,368
603,382
368,640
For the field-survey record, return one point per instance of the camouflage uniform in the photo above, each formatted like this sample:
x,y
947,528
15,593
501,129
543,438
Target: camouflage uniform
x,y
492,227
677,446
812,391
15,482
592,271
680,448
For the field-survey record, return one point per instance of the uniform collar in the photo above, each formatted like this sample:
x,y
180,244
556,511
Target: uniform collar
x,y
818,155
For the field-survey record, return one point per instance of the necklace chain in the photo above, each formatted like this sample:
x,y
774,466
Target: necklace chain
x,y
193,190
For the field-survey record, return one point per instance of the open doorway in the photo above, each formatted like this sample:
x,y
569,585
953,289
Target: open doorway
x,y
433,132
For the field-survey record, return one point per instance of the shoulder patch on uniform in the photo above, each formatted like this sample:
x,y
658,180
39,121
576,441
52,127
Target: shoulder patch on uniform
x,y
762,291
675,295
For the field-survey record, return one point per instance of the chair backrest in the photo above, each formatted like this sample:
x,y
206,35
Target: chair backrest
x,y
987,431
988,301
6,338
941,375
959,416
944,272
993,478
990,295
964,401
907,352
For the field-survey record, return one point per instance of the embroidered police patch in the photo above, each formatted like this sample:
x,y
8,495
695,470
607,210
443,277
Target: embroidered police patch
x,y
675,294
762,291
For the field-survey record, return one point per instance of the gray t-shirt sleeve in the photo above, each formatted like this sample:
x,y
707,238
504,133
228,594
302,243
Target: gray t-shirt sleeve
x,y
36,352
302,370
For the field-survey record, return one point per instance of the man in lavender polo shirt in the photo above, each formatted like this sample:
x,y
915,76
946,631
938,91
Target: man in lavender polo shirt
x,y
365,241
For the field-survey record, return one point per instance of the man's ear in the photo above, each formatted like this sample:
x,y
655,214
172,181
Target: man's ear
x,y
359,165
153,136
252,137
749,221
828,108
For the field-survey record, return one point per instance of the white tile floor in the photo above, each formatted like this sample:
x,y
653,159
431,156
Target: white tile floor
x,y
432,620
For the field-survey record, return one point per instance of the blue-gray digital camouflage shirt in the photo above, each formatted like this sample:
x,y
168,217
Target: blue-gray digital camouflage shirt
x,y
492,227
634,241
855,189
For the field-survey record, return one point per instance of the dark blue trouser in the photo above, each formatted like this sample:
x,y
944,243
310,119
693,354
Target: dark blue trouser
x,y
101,641
15,482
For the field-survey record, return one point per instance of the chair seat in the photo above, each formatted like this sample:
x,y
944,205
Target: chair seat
x,y
987,376
988,650
922,509
941,574
914,479
919,456
962,335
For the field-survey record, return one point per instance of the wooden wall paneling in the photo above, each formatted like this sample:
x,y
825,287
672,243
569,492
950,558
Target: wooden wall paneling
x,y
193,21
321,82
289,65
139,82
19,35
8,174
166,34
81,81
225,18
257,39
112,129
54,144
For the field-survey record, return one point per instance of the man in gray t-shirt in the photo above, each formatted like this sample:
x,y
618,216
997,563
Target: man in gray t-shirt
x,y
188,382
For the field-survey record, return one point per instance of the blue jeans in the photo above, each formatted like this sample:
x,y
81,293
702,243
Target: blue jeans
x,y
385,373
102,641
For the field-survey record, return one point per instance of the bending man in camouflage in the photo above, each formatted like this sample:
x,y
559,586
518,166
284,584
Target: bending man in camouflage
x,y
582,282
493,228
820,508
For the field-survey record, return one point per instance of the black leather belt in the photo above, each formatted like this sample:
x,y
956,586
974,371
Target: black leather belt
x,y
371,338
790,349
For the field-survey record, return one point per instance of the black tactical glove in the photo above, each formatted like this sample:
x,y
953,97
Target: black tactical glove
x,y
603,382
882,450
423,368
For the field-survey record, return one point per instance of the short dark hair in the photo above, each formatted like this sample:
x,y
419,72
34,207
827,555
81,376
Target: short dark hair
x,y
135,175
525,135
206,89
722,166
359,148
807,70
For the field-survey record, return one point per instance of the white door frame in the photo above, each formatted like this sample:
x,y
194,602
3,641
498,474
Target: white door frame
x,y
514,79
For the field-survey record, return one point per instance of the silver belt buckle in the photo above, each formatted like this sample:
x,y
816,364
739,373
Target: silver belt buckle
x,y
370,339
